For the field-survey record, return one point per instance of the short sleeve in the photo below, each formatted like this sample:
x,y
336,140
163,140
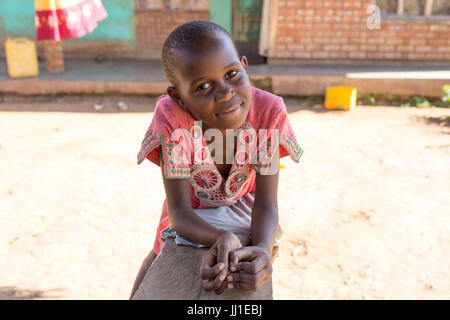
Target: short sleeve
x,y
278,138
166,135
288,141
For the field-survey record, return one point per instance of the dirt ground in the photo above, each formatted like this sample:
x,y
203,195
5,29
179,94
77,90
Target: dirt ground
x,y
365,214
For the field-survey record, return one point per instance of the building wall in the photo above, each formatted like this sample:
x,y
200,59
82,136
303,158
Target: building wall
x,y
127,32
337,30
150,28
153,27
220,12
302,30
17,19
114,36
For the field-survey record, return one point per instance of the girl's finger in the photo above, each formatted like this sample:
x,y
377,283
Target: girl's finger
x,y
208,285
255,266
214,284
209,261
248,277
233,261
207,272
250,285
242,286
241,254
222,256
222,288
210,257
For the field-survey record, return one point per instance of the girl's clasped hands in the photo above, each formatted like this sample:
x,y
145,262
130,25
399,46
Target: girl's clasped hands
x,y
227,264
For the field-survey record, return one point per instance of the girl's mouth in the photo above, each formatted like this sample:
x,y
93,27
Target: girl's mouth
x,y
229,112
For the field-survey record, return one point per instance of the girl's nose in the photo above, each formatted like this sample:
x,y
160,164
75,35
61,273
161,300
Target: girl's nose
x,y
224,93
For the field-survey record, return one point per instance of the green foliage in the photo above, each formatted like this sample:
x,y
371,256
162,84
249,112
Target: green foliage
x,y
418,101
446,97
370,99
315,100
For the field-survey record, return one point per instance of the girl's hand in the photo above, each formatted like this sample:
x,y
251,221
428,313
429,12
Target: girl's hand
x,y
214,268
251,268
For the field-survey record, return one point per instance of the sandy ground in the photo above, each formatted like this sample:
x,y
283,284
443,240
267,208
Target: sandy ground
x,y
365,213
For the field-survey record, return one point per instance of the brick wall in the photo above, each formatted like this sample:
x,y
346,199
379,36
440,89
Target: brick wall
x,y
153,27
337,30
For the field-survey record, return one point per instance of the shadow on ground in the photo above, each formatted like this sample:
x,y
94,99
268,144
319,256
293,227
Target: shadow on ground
x,y
441,121
13,293
81,104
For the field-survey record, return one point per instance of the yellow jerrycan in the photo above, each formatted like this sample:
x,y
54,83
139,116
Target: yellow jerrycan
x,y
21,58
343,98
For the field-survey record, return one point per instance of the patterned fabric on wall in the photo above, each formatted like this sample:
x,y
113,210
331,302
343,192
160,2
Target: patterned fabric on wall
x,y
66,19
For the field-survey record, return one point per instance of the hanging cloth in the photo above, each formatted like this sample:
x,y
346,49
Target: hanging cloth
x,y
66,19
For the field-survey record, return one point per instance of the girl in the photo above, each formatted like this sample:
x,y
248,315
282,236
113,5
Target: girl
x,y
209,187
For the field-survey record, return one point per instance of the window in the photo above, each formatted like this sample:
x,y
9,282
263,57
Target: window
x,y
441,8
196,5
150,4
388,6
175,5
425,8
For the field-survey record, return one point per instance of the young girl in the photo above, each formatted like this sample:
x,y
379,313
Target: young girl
x,y
209,186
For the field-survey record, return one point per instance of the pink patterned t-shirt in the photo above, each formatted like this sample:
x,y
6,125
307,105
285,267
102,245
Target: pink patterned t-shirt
x,y
175,134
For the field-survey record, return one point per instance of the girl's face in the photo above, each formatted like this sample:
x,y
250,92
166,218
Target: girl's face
x,y
212,83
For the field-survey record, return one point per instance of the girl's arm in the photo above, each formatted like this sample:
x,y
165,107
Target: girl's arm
x,y
189,225
265,212
182,218
251,267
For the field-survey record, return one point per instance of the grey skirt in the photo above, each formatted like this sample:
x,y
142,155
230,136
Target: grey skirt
x,y
235,218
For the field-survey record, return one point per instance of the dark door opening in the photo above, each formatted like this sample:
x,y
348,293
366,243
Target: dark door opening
x,y
246,25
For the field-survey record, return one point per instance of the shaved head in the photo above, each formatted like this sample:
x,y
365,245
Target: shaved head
x,y
182,38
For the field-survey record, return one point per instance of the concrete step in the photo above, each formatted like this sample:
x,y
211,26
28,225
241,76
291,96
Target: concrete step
x,y
87,76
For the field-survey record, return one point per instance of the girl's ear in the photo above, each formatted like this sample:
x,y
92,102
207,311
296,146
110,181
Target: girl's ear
x,y
173,93
244,63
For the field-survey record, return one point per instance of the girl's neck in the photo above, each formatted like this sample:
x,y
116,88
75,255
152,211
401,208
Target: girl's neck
x,y
206,127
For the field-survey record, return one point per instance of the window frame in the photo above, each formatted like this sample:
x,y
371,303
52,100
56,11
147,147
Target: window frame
x,y
139,8
164,8
427,16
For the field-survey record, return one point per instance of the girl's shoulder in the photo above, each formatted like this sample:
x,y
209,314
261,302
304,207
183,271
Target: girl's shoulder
x,y
263,95
167,118
266,109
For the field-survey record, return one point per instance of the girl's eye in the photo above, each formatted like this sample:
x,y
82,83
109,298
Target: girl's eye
x,y
204,86
232,73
